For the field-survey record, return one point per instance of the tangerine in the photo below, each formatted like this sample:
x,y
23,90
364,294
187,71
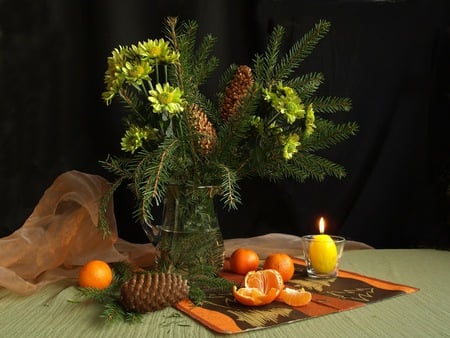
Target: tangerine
x,y
260,287
95,274
295,297
281,262
243,260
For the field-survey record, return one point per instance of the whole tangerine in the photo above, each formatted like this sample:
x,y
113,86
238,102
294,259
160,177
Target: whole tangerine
x,y
95,274
282,263
243,260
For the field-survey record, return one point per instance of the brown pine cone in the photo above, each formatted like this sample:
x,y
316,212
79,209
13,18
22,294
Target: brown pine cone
x,y
145,292
205,132
236,92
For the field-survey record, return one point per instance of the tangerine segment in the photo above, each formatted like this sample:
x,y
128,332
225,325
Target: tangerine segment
x,y
264,280
254,296
295,297
281,262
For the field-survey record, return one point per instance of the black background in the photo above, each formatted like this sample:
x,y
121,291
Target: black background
x,y
392,58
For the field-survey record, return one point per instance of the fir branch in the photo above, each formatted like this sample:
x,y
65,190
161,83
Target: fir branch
x,y
204,63
184,42
156,168
122,272
101,296
114,312
203,280
103,224
118,166
226,78
265,65
133,102
300,50
307,84
229,187
307,165
330,104
328,134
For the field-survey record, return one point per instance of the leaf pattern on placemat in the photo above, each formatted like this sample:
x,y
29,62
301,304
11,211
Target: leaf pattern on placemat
x,y
310,284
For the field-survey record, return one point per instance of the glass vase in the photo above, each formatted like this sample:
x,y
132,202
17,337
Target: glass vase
x,y
189,236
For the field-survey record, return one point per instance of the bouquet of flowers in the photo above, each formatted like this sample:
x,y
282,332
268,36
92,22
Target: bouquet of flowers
x,y
265,120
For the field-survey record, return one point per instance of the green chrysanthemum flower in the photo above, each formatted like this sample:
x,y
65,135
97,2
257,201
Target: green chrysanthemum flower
x,y
309,121
166,98
136,72
114,77
157,50
135,136
285,100
290,145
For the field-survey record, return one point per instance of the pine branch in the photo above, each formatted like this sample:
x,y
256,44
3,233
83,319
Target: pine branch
x,y
328,134
103,224
114,312
306,85
133,102
265,66
313,166
229,188
203,280
204,64
330,104
300,50
151,175
226,78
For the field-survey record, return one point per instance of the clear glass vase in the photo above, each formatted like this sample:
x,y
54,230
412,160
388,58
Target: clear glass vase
x,y
190,235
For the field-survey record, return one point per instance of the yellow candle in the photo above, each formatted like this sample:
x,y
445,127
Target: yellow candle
x,y
322,251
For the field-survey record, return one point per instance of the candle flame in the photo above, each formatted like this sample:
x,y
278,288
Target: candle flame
x,y
321,225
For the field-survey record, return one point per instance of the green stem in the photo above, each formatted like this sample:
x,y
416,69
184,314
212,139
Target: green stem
x,y
166,75
157,72
273,119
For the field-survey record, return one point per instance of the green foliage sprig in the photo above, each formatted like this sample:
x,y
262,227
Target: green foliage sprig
x,y
202,280
264,121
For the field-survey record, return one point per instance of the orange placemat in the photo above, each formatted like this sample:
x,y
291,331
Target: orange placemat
x,y
223,314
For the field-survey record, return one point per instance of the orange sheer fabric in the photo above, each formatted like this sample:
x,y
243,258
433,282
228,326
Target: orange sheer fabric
x,y
61,235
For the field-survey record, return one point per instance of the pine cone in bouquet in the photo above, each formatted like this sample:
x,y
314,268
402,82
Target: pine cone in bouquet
x,y
205,130
146,292
236,92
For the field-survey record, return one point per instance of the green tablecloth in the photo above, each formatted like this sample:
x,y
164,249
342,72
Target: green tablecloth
x,y
426,313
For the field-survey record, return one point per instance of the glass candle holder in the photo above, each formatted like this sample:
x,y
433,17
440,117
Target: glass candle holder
x,y
322,255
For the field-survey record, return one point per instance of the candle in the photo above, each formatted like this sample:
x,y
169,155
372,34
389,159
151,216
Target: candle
x,y
322,251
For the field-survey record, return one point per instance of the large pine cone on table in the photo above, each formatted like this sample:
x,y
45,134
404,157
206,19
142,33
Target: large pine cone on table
x,y
145,292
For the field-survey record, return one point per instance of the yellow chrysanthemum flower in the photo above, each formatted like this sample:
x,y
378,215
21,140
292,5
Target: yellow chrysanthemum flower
x,y
136,72
114,77
166,98
135,136
157,50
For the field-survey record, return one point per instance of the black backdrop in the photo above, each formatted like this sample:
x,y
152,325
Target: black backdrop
x,y
392,58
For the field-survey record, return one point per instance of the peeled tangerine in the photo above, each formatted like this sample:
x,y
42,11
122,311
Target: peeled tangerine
x,y
260,287
264,286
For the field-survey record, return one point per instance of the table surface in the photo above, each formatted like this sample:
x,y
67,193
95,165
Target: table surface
x,y
426,313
